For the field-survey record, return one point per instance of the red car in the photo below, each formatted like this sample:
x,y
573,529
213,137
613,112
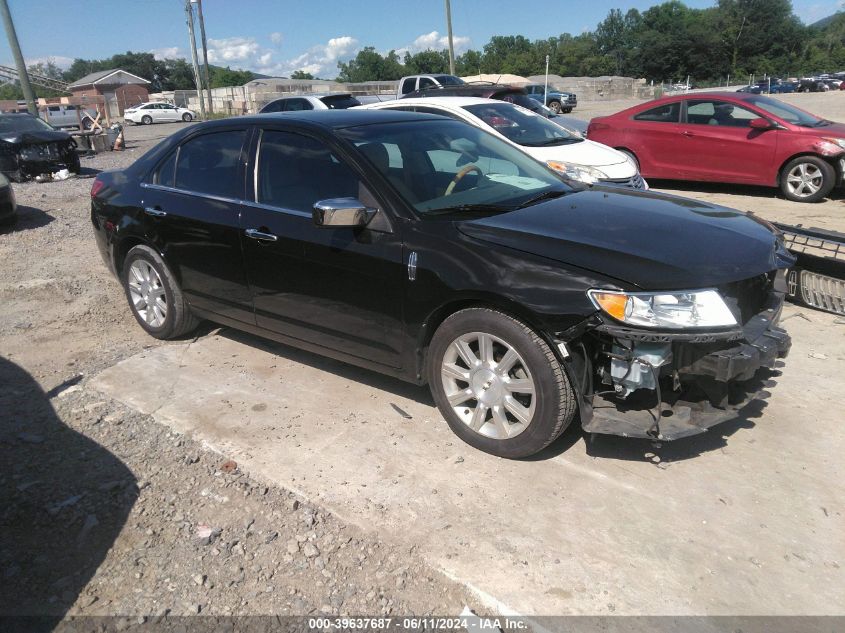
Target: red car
x,y
730,137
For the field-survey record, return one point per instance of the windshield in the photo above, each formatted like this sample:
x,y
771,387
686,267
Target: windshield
x,y
444,167
340,102
788,113
449,80
522,126
23,123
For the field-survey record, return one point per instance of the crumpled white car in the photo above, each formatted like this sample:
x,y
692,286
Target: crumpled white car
x,y
156,112
561,148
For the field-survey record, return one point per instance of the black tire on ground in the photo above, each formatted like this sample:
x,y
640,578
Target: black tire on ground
x,y
825,180
179,320
554,106
74,165
187,118
146,119
555,402
567,110
633,156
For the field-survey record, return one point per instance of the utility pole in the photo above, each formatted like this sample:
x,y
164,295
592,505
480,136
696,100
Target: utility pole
x,y
451,43
190,18
23,77
546,85
205,56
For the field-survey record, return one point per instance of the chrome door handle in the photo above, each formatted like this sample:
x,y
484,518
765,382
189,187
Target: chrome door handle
x,y
155,212
260,235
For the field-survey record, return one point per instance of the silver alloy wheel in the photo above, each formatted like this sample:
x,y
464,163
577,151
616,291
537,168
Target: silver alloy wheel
x,y
804,180
488,385
147,293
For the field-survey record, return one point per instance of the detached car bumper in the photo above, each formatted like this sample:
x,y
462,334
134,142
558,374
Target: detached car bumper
x,y
705,380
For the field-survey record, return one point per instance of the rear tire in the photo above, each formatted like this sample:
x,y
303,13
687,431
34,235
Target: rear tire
x,y
498,384
187,118
146,119
807,179
156,300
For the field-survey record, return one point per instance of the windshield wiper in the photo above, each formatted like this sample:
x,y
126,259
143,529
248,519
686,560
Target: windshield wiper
x,y
554,141
471,208
822,123
546,195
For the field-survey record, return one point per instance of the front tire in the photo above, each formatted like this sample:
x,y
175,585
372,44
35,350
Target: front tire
x,y
154,296
146,119
498,384
554,106
187,118
807,179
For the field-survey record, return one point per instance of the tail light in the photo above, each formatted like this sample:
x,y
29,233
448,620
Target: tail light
x,y
97,187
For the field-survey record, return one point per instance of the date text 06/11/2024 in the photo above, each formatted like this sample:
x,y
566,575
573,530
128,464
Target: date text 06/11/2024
x,y
462,623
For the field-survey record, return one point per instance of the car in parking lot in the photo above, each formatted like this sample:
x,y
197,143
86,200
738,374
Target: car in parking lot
x,y
730,137
29,147
555,100
428,249
158,112
331,101
559,148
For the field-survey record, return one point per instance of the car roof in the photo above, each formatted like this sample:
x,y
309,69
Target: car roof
x,y
329,119
445,100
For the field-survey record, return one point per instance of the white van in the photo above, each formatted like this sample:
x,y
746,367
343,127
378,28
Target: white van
x,y
67,115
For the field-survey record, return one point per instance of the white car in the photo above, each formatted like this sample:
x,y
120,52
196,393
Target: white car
x,y
147,113
562,149
331,101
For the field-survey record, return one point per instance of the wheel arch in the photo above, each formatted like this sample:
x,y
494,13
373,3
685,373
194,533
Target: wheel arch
x,y
476,300
833,161
122,248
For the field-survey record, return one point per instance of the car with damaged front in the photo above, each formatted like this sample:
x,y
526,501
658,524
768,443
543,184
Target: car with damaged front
x,y
433,251
30,147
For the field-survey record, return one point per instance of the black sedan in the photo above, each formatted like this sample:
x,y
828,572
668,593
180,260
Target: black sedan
x,y
30,147
427,249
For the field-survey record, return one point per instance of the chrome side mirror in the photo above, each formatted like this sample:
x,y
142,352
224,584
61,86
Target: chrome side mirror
x,y
342,212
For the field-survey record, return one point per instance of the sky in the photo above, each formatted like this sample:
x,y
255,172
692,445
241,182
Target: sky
x,y
276,37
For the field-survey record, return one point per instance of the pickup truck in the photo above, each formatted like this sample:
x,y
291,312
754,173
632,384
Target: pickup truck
x,y
557,101
413,83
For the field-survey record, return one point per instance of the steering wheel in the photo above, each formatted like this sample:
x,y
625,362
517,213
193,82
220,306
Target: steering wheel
x,y
464,171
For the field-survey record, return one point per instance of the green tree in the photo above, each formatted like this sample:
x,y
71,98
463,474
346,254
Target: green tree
x,y
301,74
427,61
370,65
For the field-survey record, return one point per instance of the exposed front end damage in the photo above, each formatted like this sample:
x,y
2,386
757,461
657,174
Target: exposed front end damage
x,y
668,385
25,156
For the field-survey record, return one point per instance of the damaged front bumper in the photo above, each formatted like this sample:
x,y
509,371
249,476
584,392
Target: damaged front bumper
x,y
672,385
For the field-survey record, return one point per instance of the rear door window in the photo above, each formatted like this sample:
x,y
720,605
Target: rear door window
x,y
666,113
166,173
408,85
297,105
210,164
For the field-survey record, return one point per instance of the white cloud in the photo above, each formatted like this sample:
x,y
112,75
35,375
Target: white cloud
x,y
233,50
168,52
321,60
276,38
435,41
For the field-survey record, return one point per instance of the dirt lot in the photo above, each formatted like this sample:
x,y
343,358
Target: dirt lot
x,y
115,502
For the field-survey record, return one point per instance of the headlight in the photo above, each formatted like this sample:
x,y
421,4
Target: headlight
x,y
836,141
574,171
670,310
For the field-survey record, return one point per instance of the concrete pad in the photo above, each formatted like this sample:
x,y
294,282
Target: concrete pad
x,y
746,520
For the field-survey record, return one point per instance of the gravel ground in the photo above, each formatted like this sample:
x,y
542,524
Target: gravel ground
x,y
105,512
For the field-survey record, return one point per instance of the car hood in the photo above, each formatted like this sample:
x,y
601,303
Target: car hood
x,y
34,137
653,241
836,130
586,153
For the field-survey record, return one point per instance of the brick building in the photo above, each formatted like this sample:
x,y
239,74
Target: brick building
x,y
119,88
